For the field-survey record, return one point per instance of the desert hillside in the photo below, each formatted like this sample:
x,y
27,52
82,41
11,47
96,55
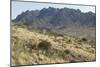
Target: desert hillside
x,y
31,46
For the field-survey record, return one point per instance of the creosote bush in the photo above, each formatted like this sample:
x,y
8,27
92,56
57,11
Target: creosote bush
x,y
45,45
69,41
83,39
31,46
67,51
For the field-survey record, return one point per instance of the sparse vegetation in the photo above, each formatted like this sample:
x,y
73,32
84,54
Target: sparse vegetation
x,y
52,35
32,47
44,45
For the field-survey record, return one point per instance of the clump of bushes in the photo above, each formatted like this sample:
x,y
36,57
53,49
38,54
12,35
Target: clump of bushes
x,y
82,40
45,45
30,45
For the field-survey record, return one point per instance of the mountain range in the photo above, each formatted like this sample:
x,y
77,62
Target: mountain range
x,y
56,18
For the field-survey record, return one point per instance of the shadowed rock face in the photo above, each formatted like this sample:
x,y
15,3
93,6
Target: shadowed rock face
x,y
56,18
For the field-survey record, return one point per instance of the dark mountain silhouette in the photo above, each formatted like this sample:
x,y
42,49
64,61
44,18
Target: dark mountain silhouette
x,y
54,18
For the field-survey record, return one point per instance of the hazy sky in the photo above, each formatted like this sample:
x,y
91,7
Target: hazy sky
x,y
19,7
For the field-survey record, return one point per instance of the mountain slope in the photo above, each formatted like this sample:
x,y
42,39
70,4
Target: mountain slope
x,y
30,46
55,18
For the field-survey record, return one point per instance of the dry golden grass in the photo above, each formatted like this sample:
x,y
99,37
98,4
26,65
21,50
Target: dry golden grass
x,y
33,47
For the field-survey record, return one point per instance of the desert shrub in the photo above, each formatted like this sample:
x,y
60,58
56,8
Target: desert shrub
x,y
92,43
79,55
23,25
14,39
78,46
69,41
31,46
66,51
20,25
52,33
45,45
72,61
83,39
80,41
60,35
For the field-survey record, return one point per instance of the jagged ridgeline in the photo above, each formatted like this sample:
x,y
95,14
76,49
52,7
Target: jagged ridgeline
x,y
56,18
